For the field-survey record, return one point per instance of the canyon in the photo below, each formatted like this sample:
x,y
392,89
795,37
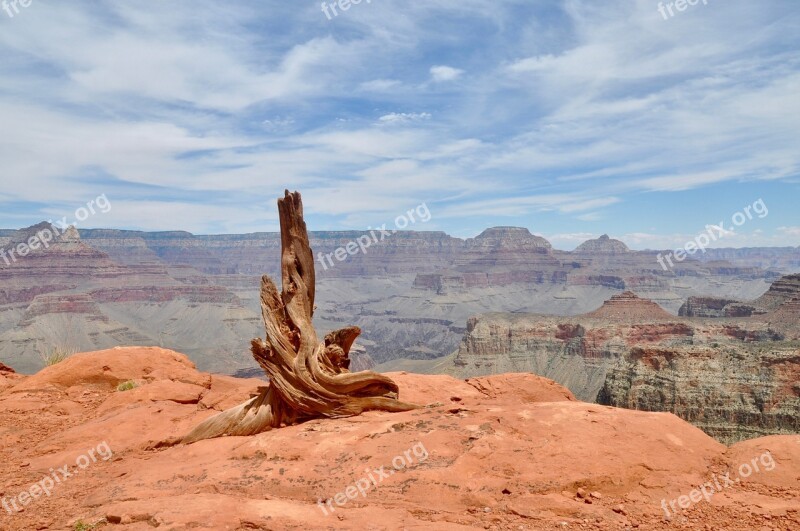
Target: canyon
x,y
734,377
414,291
503,301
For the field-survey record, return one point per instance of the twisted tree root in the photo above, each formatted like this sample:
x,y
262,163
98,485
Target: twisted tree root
x,y
308,378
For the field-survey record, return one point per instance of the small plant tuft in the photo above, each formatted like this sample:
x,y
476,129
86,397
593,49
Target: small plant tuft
x,y
127,386
56,354
80,525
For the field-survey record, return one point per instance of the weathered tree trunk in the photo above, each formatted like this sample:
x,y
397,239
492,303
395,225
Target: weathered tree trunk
x,y
307,378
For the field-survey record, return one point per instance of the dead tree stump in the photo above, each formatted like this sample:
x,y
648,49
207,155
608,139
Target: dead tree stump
x,y
308,378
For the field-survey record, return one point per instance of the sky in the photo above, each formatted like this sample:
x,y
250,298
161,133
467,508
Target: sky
x,y
571,118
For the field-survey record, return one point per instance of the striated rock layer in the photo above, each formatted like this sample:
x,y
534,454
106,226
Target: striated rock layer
x,y
628,307
498,256
714,307
68,295
785,259
734,378
199,294
781,291
732,394
512,451
603,244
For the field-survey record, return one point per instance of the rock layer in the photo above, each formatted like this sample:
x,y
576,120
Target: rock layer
x,y
734,378
781,291
603,244
69,294
198,293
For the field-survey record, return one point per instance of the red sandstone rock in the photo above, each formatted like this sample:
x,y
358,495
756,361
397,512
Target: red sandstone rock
x,y
108,368
8,377
502,457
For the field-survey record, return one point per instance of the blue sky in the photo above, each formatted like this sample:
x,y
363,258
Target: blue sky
x,y
571,118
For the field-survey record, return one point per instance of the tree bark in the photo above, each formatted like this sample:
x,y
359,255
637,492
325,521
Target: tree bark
x,y
308,378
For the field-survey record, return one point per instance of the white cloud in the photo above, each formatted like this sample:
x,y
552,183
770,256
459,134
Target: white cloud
x,y
403,118
569,239
792,232
278,123
521,205
445,73
379,85
570,109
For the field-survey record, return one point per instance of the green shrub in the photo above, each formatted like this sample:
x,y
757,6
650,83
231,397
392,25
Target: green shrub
x,y
80,525
127,386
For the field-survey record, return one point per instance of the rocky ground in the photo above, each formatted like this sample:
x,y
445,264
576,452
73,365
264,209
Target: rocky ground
x,y
512,451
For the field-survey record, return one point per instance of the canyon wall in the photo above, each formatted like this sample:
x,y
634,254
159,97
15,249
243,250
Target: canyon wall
x,y
411,292
733,378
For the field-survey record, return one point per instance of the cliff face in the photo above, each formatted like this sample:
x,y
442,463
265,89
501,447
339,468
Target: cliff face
x,y
715,307
783,259
416,289
502,258
499,256
734,391
70,294
786,318
574,351
254,254
781,291
734,378
80,303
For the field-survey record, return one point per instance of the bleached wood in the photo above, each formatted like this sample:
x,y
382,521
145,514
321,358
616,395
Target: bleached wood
x,y
307,378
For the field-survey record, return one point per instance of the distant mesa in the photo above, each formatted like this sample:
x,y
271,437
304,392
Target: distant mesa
x,y
603,244
505,232
68,235
628,306
716,307
510,236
